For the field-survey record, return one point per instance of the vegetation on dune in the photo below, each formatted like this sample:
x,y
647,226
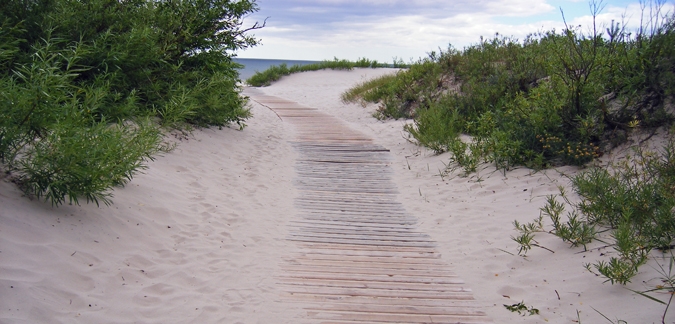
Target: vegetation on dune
x,y
85,86
554,98
633,200
275,72
557,98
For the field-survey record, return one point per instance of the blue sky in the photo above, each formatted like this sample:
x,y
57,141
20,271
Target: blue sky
x,y
408,29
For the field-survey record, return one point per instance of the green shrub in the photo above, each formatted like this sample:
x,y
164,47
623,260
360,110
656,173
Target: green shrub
x,y
87,162
638,195
635,202
413,90
556,97
436,128
372,90
80,82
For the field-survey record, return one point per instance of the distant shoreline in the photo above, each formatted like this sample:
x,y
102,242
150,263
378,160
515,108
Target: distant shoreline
x,y
251,65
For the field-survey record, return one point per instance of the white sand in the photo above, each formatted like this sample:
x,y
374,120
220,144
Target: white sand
x,y
199,237
195,239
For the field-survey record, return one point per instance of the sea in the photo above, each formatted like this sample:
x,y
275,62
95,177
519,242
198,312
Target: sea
x,y
251,66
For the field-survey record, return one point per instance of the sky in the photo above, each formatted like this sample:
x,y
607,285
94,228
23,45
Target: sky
x,y
407,30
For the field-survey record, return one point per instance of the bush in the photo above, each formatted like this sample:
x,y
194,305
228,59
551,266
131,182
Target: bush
x,y
435,127
82,80
555,98
635,202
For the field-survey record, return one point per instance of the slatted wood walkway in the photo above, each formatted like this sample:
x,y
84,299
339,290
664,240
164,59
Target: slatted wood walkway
x,y
360,257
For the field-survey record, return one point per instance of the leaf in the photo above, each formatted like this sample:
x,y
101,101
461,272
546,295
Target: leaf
x,y
647,296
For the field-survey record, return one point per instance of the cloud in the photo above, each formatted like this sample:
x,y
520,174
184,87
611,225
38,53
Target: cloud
x,y
382,29
631,16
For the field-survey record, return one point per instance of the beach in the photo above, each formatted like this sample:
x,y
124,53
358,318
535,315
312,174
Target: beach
x,y
200,235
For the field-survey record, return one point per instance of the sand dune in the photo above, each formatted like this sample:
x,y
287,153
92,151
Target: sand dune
x,y
193,240
198,238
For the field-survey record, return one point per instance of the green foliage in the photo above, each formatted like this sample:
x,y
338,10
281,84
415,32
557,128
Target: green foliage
x,y
526,238
637,197
635,202
466,156
83,82
368,91
616,270
574,231
522,309
414,89
85,161
411,90
667,286
438,128
275,72
554,98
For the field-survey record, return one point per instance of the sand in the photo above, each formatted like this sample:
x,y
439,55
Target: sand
x,y
199,236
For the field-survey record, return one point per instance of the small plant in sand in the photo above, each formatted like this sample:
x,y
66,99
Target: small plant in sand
x,y
665,287
522,309
634,202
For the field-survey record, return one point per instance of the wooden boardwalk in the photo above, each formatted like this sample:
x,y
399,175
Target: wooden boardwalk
x,y
360,257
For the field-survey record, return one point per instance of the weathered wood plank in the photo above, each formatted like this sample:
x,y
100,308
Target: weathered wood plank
x,y
359,242
334,230
365,262
355,224
399,309
350,205
359,220
397,318
379,238
376,293
390,272
392,280
370,284
385,301
354,249
367,213
369,262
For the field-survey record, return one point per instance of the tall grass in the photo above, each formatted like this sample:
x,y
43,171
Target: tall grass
x,y
368,91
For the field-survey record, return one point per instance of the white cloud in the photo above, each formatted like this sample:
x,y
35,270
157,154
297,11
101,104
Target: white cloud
x,y
519,8
632,16
387,32
310,10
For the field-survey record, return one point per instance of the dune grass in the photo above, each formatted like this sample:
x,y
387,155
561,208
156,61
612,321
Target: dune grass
x,y
368,91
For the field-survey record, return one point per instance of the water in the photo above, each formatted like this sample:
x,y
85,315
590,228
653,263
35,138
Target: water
x,y
253,65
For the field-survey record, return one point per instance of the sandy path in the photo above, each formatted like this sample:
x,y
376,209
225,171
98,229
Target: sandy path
x,y
359,256
471,219
200,236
